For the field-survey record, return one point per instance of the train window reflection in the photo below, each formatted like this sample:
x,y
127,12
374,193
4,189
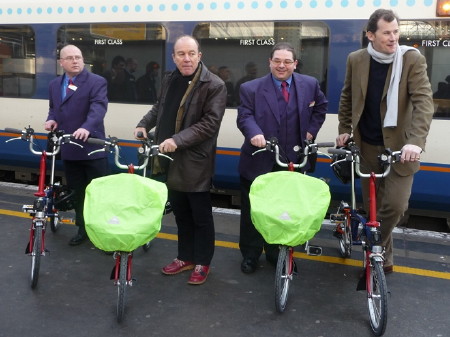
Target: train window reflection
x,y
432,39
17,61
240,51
130,56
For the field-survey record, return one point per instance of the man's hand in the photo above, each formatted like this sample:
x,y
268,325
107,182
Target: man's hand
x,y
167,146
50,125
142,130
82,134
410,152
342,139
258,141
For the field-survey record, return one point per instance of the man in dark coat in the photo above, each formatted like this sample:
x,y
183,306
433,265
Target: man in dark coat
x,y
187,117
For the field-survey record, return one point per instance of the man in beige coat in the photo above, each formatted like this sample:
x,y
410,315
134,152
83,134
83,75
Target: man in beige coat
x,y
386,102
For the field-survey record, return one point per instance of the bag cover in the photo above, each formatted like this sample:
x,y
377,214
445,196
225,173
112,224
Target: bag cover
x,y
123,211
288,208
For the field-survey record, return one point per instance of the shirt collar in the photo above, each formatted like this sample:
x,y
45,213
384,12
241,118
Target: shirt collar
x,y
278,82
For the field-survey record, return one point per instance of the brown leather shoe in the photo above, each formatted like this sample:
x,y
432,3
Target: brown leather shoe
x,y
199,275
388,269
177,266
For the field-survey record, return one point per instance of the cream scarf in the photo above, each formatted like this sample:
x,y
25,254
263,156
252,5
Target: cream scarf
x,y
396,59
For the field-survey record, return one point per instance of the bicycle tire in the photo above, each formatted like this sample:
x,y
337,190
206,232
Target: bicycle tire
x,y
377,298
36,256
283,277
345,240
122,286
146,246
54,222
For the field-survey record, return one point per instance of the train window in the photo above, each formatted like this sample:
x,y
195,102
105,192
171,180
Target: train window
x,y
130,56
239,51
432,39
17,61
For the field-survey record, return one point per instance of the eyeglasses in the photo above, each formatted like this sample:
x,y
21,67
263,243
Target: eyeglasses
x,y
277,62
71,58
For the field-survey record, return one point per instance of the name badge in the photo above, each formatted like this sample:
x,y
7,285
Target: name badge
x,y
72,87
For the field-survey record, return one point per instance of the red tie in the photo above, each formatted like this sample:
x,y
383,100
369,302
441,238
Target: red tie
x,y
68,85
284,91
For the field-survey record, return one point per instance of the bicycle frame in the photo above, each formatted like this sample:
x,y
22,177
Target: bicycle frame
x,y
43,207
286,267
369,235
122,271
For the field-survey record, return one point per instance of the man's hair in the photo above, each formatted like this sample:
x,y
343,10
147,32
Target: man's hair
x,y
380,14
283,46
186,36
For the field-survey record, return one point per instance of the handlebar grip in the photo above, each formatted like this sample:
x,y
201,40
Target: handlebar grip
x,y
140,134
12,130
337,151
326,144
96,141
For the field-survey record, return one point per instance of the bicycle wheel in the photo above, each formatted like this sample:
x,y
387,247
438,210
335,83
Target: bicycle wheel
x,y
54,222
122,286
146,246
36,255
345,239
283,277
377,298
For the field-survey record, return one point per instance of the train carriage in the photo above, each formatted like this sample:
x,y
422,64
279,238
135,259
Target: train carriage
x,y
133,39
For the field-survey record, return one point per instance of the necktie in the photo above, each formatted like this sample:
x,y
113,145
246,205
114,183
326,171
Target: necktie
x,y
284,91
68,85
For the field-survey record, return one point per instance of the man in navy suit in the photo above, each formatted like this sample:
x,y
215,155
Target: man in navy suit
x,y
78,103
282,104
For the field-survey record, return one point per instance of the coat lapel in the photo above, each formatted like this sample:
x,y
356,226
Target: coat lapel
x,y
363,66
271,99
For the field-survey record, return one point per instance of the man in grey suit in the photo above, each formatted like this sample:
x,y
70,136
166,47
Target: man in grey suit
x,y
386,102
282,104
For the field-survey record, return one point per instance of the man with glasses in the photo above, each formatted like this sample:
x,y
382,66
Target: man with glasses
x,y
281,104
78,105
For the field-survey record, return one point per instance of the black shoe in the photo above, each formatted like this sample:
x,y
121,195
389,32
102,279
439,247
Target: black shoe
x,y
248,266
77,239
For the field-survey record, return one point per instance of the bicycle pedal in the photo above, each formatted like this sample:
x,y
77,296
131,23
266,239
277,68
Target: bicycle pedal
x,y
314,250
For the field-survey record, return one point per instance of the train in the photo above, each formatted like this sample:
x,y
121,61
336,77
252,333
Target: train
x,y
136,37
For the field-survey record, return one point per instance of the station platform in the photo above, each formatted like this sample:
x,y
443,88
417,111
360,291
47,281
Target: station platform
x,y
75,296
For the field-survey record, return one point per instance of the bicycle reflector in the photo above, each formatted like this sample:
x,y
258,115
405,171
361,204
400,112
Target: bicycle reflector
x,y
443,8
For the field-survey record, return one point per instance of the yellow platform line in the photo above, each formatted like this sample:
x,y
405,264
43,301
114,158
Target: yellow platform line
x,y
304,256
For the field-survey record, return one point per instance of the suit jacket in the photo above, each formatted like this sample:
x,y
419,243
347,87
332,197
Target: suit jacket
x,y
415,104
258,114
193,163
84,107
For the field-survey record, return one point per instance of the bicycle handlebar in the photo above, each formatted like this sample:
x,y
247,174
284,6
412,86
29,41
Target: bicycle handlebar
x,y
58,137
310,148
147,150
353,155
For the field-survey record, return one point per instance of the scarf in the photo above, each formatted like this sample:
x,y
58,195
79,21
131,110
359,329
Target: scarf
x,y
390,120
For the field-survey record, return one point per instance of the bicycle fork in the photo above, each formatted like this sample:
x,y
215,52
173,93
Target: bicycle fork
x,y
36,223
116,271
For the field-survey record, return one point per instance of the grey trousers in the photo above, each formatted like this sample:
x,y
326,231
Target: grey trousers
x,y
393,193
